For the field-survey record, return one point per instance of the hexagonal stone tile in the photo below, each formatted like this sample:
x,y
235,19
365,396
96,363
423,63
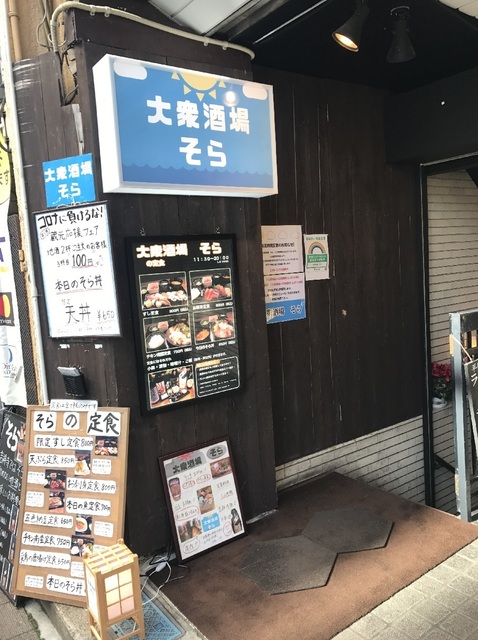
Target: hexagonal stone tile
x,y
348,529
288,564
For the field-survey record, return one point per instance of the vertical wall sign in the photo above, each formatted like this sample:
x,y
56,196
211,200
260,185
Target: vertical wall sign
x,y
202,497
69,181
73,498
12,445
77,271
12,371
184,296
169,130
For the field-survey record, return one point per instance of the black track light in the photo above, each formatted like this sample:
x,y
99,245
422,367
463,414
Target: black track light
x,y
401,49
349,34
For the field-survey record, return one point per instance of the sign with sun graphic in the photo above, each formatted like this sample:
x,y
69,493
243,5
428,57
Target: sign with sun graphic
x,y
164,129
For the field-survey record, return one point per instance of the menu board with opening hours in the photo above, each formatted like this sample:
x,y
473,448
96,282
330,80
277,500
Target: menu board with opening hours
x,y
187,331
72,499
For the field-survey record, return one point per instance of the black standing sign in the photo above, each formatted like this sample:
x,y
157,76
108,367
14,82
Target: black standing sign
x,y
184,294
12,443
471,377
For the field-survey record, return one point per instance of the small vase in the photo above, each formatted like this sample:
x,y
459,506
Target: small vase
x,y
439,403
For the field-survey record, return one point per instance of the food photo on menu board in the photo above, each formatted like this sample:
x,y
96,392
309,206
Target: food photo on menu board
x,y
187,333
203,498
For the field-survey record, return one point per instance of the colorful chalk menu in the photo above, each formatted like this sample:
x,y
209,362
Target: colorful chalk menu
x,y
184,295
12,442
202,497
72,498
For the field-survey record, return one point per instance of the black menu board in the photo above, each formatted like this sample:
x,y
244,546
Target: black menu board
x,y
184,295
12,443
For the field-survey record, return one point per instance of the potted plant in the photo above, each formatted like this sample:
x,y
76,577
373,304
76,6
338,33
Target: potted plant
x,y
441,384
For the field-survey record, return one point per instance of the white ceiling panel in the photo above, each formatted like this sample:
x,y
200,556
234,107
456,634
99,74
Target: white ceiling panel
x,y
199,15
470,7
170,7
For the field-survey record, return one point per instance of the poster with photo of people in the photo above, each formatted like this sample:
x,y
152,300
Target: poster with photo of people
x,y
203,499
12,443
184,297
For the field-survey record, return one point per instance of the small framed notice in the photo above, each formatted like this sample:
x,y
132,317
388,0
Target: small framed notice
x,y
203,498
77,271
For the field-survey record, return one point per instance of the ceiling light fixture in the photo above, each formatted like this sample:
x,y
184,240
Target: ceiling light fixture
x,y
349,34
401,49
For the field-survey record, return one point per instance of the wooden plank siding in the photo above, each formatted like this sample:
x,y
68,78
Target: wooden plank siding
x,y
109,364
352,369
354,365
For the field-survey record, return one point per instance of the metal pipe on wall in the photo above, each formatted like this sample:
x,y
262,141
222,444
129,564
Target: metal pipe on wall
x,y
14,21
14,135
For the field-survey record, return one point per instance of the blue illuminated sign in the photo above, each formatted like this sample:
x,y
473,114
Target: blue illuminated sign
x,y
69,181
168,130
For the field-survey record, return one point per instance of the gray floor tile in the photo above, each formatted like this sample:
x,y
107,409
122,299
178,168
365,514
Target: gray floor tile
x,y
14,621
369,626
428,585
348,634
451,597
459,626
412,626
433,610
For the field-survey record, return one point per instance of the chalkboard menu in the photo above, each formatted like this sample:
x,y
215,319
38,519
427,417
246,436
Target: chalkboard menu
x,y
471,377
72,498
12,442
184,295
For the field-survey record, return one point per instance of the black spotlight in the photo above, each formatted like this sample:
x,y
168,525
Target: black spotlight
x,y
349,34
401,49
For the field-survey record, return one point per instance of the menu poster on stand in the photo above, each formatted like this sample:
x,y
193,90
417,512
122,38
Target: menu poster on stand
x,y
72,498
187,333
202,496
12,444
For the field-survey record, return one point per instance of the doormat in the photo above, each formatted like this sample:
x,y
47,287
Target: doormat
x,y
229,605
157,624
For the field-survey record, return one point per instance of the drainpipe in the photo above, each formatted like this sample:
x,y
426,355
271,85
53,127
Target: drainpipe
x,y
14,24
14,135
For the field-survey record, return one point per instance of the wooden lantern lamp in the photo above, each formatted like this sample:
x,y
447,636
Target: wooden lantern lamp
x,y
113,590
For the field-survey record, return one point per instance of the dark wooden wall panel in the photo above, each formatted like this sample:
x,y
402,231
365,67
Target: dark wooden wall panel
x,y
110,371
353,365
350,368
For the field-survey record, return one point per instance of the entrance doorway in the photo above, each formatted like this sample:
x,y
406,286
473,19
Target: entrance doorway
x,y
452,222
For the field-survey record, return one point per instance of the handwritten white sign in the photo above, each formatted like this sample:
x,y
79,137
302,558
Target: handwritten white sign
x,y
45,559
95,486
62,584
48,520
46,540
77,270
63,442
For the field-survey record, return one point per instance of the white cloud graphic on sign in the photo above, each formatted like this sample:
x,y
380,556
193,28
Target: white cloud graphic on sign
x,y
131,69
254,91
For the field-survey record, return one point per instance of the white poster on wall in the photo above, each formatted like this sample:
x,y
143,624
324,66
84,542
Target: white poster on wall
x,y
77,271
282,249
12,374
